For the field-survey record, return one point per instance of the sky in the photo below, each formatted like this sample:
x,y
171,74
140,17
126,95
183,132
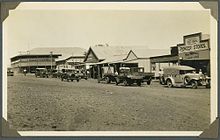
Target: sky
x,y
155,25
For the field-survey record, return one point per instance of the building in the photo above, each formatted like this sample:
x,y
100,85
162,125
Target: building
x,y
101,55
70,62
42,58
142,57
32,61
194,52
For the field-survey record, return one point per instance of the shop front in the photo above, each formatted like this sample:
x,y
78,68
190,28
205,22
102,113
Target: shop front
x,y
195,52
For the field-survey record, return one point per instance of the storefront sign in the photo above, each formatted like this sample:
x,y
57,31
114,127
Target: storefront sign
x,y
194,47
197,55
192,40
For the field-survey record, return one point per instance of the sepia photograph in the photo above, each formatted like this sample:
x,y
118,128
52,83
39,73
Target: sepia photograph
x,y
130,67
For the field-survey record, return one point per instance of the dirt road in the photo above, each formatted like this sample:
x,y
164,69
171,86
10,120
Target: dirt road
x,y
49,104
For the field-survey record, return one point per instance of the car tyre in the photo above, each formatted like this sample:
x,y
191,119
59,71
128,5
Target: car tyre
x,y
194,84
107,80
125,82
169,83
186,80
139,83
149,82
117,81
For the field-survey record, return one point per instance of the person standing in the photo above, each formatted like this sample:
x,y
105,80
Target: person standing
x,y
25,72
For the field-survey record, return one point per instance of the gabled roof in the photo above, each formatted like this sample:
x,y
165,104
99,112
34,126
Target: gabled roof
x,y
114,59
107,52
103,52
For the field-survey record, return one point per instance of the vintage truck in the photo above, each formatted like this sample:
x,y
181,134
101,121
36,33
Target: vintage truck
x,y
41,72
183,76
129,76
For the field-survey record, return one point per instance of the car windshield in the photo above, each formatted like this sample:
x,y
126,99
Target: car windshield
x,y
137,69
186,71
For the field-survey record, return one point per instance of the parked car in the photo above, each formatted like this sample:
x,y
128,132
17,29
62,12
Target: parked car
x,y
129,77
10,72
107,74
41,72
69,75
183,76
147,76
81,74
53,73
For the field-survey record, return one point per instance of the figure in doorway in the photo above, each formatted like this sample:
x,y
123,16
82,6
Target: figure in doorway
x,y
25,72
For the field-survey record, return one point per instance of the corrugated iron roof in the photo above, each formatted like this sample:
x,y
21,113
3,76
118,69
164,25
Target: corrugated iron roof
x,y
65,51
147,53
106,52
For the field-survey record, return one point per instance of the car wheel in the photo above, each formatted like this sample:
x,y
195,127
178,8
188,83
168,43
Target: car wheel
x,y
194,84
139,83
125,82
148,82
117,81
107,80
208,84
186,80
77,80
169,84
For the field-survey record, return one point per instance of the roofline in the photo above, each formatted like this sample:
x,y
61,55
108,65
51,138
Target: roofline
x,y
162,56
90,49
129,54
35,55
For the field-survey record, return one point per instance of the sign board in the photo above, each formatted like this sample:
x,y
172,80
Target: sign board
x,y
192,40
196,55
193,47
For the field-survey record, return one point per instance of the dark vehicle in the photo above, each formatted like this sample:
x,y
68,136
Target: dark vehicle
x,y
53,73
81,74
147,76
108,75
129,76
69,75
183,76
10,72
41,72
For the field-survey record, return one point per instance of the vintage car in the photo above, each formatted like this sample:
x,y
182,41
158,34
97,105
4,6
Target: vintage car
x,y
183,76
81,74
10,72
129,76
69,75
41,72
107,74
53,73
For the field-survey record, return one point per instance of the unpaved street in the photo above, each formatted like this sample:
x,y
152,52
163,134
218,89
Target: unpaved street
x,y
49,104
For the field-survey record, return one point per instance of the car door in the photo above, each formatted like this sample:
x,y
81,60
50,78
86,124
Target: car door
x,y
177,77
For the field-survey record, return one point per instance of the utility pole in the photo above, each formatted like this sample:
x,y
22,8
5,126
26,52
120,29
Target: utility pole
x,y
51,55
28,52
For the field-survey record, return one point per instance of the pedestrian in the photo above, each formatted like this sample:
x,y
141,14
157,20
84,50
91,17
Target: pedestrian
x,y
200,71
25,72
